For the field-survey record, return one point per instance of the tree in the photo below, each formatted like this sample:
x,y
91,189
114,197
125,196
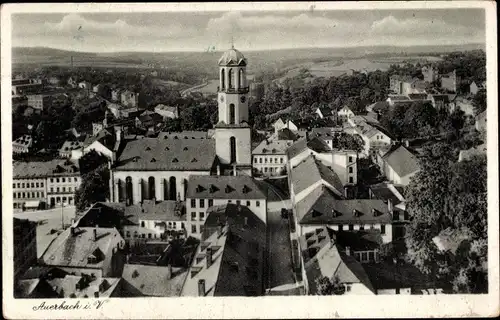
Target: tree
x,y
172,125
91,161
479,101
327,286
94,188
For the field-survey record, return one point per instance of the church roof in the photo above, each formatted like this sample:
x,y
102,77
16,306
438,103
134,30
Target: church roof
x,y
232,57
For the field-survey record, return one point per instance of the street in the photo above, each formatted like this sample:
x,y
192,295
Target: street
x,y
52,219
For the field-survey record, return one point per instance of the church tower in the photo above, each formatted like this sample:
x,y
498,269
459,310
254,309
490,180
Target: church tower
x,y
232,132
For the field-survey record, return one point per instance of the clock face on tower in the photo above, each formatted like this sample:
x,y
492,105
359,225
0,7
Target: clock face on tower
x,y
243,99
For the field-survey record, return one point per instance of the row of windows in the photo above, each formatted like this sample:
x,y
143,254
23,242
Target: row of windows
x,y
75,179
70,189
281,159
271,169
350,227
35,194
211,203
194,228
194,217
27,185
170,224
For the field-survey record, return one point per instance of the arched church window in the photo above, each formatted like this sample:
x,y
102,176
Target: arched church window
x,y
230,79
232,114
223,79
232,148
151,188
242,78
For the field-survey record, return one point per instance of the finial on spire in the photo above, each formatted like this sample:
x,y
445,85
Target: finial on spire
x,y
232,42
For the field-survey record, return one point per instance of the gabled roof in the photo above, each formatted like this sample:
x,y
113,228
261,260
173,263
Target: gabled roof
x,y
387,191
224,187
278,123
272,147
287,134
67,286
401,160
297,148
167,154
71,145
323,258
310,171
73,250
42,169
321,206
154,281
105,137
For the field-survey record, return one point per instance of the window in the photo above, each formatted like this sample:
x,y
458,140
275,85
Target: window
x,y
57,189
193,203
63,179
32,184
238,202
362,227
248,203
142,224
14,195
193,228
41,184
281,160
348,288
265,160
76,179
175,225
28,195
37,185
371,256
57,179
255,160
229,201
382,229
143,235
350,159
350,169
23,185
128,234
257,203
265,169
51,189
64,189
18,185
149,235
51,180
202,216
275,160
193,216
364,256
210,202
202,203
260,160
351,227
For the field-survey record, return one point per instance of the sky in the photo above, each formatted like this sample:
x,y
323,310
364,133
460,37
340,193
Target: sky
x,y
263,30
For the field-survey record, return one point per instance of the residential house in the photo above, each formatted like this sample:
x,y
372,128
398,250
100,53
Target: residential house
x,y
481,122
269,157
373,137
22,144
152,281
39,101
345,114
66,151
323,112
85,85
398,164
204,191
129,98
149,121
167,111
105,142
230,260
62,181
97,251
116,94
25,245
430,73
278,125
468,154
450,81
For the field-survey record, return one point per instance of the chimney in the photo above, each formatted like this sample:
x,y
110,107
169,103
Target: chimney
x,y
218,170
209,257
234,170
389,205
201,287
348,251
95,234
246,221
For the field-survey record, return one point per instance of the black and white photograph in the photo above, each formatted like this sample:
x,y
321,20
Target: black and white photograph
x,y
248,150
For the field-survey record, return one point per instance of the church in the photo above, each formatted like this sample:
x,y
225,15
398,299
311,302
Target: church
x,y
160,168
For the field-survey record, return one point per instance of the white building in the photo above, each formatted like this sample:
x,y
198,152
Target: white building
x,y
22,144
167,111
345,114
269,157
398,164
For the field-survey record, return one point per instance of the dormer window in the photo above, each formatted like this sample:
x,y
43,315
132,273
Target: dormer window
x,y
175,160
167,148
153,160
175,137
148,149
228,189
212,188
356,213
185,149
246,189
194,160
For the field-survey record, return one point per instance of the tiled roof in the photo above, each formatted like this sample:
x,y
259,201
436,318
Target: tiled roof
x,y
105,137
71,145
24,140
286,134
383,191
324,259
272,147
297,148
310,171
73,250
224,187
154,281
42,169
321,206
156,210
67,286
402,161
167,155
